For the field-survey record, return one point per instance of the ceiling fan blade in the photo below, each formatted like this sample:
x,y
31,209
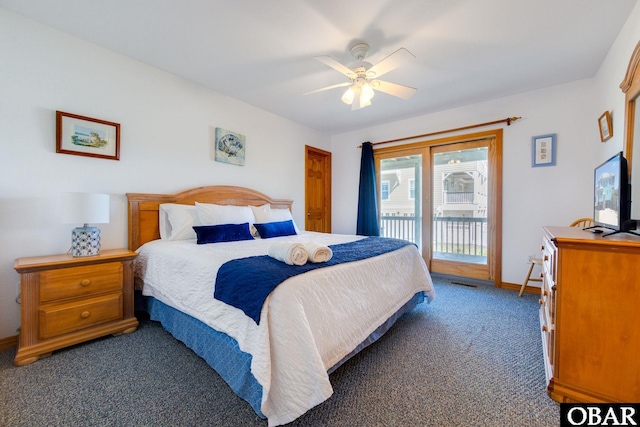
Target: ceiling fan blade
x,y
401,91
328,87
391,62
327,60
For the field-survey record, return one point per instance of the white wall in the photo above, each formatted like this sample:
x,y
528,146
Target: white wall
x,y
532,197
607,81
610,97
166,130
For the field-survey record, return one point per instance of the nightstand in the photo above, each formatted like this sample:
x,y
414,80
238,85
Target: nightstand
x,y
67,300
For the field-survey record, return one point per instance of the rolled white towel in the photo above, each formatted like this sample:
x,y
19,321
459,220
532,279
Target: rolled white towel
x,y
291,253
317,252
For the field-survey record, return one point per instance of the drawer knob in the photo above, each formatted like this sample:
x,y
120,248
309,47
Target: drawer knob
x,y
541,301
546,257
85,314
544,328
85,282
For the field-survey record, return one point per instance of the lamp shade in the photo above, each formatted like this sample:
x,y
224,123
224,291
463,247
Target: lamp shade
x,y
367,94
85,208
347,97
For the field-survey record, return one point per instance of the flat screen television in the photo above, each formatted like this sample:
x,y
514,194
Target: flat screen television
x,y
612,205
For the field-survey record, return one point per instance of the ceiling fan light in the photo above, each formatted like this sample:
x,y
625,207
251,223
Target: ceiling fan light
x,y
347,97
367,94
364,102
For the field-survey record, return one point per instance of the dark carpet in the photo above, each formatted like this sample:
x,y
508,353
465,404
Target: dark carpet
x,y
472,357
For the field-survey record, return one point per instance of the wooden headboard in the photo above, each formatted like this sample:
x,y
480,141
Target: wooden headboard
x,y
144,211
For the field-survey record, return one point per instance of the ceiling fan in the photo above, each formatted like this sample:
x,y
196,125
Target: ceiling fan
x,y
363,77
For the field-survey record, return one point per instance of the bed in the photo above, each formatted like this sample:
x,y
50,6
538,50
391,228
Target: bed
x,y
279,356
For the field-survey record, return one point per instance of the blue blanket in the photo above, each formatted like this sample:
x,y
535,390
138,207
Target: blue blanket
x,y
245,283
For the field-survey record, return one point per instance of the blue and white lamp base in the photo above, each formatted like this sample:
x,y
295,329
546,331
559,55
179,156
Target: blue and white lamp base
x,y
85,241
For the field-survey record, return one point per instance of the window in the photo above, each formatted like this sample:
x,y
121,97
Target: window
x,y
384,190
412,189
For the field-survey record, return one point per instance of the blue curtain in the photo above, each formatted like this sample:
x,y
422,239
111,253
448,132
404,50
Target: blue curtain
x,y
368,195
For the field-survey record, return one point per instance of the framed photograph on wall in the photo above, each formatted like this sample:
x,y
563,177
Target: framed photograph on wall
x,y
85,136
604,123
543,150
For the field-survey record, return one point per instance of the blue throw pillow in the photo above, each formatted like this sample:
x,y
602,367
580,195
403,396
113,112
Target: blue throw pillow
x,y
222,233
275,229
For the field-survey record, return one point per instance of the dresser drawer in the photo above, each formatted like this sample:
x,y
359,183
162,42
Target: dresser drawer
x,y
80,281
63,318
549,260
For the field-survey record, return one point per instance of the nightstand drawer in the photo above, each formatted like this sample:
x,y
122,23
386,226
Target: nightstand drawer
x,y
80,281
63,318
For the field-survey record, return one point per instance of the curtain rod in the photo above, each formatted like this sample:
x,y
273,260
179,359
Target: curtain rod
x,y
507,120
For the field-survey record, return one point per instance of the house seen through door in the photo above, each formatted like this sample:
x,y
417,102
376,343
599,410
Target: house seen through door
x,y
401,198
443,198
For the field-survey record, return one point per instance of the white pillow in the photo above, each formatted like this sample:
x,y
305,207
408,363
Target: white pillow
x,y
210,214
262,213
266,213
177,221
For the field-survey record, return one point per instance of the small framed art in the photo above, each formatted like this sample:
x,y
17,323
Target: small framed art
x,y
84,136
543,150
604,123
230,147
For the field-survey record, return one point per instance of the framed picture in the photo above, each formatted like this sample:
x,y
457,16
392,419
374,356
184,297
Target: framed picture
x,y
543,150
84,136
604,123
230,147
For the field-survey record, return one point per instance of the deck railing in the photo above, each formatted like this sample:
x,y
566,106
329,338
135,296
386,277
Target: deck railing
x,y
463,236
399,227
454,197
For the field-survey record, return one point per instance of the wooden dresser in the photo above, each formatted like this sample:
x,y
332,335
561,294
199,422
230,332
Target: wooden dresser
x,y
590,315
67,300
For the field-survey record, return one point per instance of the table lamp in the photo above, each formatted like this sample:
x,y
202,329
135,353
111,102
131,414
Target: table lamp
x,y
85,208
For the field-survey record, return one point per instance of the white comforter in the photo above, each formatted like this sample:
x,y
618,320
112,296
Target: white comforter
x,y
308,323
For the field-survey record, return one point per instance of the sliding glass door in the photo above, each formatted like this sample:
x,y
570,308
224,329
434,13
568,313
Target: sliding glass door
x,y
444,196
460,200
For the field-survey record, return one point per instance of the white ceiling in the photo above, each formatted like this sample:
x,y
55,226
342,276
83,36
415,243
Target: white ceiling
x,y
262,51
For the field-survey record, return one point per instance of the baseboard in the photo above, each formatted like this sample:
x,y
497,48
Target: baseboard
x,y
8,342
475,282
516,287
